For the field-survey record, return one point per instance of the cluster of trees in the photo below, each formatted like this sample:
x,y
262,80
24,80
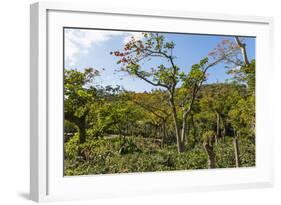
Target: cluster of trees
x,y
182,110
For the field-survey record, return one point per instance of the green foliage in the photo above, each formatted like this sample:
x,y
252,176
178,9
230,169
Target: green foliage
x,y
242,115
105,158
245,74
71,147
225,155
208,136
76,95
110,130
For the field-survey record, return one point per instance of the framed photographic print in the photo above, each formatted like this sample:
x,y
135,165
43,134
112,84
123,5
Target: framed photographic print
x,y
127,102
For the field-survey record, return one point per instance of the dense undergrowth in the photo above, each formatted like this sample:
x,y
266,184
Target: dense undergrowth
x,y
137,154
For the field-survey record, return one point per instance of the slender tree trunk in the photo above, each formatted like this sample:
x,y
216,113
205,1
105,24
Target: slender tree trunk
x,y
224,130
185,128
208,147
175,119
177,129
236,151
242,46
218,135
195,140
163,135
189,123
158,129
183,131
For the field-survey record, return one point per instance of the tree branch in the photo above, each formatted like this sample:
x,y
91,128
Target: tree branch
x,y
242,46
151,82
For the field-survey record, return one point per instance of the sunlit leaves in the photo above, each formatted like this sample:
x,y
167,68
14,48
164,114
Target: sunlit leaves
x,y
204,61
169,45
245,74
78,89
164,75
208,136
243,114
83,94
196,75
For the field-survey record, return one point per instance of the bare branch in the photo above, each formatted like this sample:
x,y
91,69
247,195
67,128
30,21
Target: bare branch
x,y
242,46
151,82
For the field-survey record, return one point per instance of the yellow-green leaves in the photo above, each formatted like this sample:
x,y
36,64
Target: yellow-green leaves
x,y
83,93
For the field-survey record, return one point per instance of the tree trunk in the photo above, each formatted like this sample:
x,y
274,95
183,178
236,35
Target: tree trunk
x,y
195,140
189,123
163,136
183,131
80,122
82,132
208,147
224,130
242,46
177,132
236,151
185,128
218,135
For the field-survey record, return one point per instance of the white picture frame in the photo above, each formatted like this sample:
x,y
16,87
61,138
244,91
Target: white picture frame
x,y
47,182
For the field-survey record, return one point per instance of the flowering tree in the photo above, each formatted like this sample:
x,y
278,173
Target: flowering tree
x,y
243,113
182,88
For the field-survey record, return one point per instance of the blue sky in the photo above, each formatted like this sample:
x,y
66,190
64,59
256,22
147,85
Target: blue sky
x,y
91,48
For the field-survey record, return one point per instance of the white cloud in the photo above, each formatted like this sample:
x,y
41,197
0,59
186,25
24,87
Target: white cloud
x,y
81,40
71,48
137,36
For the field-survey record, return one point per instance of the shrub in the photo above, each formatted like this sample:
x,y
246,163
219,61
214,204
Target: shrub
x,y
102,156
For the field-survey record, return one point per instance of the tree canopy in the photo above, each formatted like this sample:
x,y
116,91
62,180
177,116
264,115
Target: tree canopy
x,y
183,123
